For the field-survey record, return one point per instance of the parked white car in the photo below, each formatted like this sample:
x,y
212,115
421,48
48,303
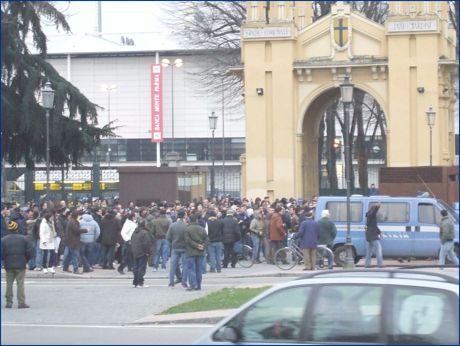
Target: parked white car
x,y
357,306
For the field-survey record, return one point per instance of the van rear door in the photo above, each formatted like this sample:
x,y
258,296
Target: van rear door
x,y
426,229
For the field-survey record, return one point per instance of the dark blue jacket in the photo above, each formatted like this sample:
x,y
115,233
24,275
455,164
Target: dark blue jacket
x,y
16,251
308,234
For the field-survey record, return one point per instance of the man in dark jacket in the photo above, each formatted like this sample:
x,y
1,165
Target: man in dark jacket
x,y
141,245
327,234
230,235
309,235
215,246
176,237
196,241
16,252
17,217
161,226
110,234
373,237
72,242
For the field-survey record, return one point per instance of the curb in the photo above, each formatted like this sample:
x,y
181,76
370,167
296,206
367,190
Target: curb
x,y
205,317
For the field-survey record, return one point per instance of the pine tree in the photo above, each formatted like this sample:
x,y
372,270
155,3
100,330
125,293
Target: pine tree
x,y
73,120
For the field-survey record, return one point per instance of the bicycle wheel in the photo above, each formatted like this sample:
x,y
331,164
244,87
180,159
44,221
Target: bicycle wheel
x,y
286,258
245,257
322,259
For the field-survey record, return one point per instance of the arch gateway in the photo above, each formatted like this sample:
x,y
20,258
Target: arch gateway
x,y
292,66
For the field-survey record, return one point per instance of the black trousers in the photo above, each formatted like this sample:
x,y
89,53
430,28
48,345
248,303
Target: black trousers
x,y
140,266
229,256
108,256
127,260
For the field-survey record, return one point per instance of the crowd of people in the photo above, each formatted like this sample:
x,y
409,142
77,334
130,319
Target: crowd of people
x,y
195,238
93,234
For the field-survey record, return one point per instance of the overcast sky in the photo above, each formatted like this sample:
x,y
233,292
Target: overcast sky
x,y
117,16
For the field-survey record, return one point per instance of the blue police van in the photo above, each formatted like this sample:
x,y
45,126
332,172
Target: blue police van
x,y
409,225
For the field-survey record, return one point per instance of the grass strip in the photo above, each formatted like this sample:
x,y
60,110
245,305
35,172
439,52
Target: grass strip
x,y
227,298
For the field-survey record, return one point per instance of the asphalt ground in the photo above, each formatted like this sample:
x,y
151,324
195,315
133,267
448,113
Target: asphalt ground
x,y
255,276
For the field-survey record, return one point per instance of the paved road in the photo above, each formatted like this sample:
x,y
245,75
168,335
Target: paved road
x,y
101,335
102,306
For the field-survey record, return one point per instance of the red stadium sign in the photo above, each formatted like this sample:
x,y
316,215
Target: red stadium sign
x,y
157,102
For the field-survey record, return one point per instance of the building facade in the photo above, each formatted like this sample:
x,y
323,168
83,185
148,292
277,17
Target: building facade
x,y
117,78
293,67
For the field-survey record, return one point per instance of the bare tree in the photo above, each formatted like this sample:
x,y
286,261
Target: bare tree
x,y
215,27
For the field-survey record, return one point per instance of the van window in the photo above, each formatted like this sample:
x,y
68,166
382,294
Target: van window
x,y
423,316
427,213
338,211
393,212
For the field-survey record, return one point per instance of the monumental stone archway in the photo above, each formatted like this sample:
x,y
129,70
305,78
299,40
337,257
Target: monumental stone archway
x,y
293,67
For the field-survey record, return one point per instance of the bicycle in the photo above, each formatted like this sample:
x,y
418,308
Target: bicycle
x,y
288,257
244,255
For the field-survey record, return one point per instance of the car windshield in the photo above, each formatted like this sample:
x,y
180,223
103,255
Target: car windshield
x,y
452,214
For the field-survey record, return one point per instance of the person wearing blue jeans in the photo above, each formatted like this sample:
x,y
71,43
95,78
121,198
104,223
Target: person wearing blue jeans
x,y
71,256
195,272
373,237
88,241
376,248
85,250
196,241
178,256
215,247
38,256
160,229
176,237
215,251
446,234
162,250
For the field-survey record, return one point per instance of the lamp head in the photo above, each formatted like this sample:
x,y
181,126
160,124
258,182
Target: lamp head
x,y
212,121
430,116
346,90
48,96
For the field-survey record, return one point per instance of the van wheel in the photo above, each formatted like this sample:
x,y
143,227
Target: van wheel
x,y
340,255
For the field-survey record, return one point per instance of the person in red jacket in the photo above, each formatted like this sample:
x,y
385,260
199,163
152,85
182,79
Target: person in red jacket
x,y
277,230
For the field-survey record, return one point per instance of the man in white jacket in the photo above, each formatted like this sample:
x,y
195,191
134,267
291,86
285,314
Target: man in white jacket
x,y
126,232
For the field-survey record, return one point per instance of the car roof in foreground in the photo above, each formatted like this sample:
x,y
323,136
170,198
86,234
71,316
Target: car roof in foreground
x,y
382,273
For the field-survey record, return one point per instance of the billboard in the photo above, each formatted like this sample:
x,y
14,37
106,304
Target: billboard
x,y
156,79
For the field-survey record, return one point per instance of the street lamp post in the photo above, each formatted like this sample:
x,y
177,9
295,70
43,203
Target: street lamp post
x,y
48,104
176,63
346,91
109,89
430,118
217,73
212,127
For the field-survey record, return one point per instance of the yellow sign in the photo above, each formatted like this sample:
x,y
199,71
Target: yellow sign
x,y
341,31
86,186
39,186
102,186
77,186
55,187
